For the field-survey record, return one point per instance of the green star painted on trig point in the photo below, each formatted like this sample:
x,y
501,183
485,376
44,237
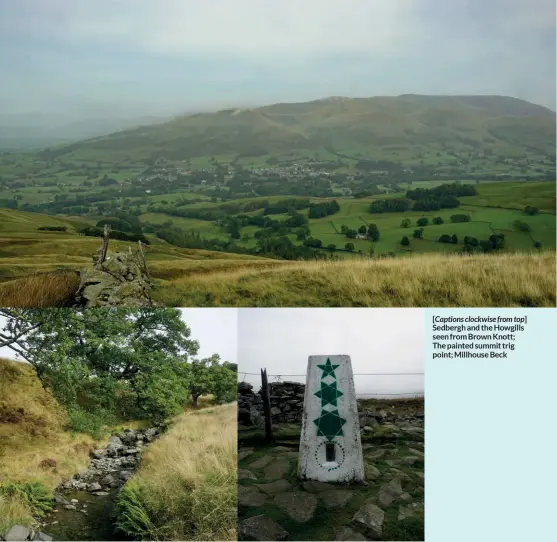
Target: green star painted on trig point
x,y
329,425
328,369
328,394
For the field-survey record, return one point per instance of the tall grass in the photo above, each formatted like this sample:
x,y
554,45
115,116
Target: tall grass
x,y
186,487
40,290
429,280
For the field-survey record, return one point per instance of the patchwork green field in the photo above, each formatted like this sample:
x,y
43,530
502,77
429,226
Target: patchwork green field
x,y
495,210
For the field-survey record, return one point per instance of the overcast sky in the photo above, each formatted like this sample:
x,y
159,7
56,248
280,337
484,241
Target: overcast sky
x,y
82,58
378,341
215,329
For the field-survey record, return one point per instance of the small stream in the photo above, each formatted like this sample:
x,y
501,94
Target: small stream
x,y
92,519
85,504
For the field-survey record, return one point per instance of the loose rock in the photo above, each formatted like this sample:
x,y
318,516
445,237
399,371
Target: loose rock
x,y
262,528
372,517
299,505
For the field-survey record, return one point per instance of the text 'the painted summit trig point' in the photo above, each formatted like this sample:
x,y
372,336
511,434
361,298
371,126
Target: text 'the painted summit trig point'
x,y
330,444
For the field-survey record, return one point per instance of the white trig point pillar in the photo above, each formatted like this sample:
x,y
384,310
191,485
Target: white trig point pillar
x,y
330,444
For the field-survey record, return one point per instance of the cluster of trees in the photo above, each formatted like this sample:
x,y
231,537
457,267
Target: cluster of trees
x,y
52,228
444,196
92,231
391,205
117,363
446,238
319,210
285,206
495,242
371,231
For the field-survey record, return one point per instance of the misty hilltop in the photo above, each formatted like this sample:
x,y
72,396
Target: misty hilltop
x,y
505,125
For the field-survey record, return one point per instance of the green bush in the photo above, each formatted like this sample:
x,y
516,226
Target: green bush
x,y
84,421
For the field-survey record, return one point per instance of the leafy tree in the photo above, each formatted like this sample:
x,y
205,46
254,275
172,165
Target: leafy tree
x,y
103,361
418,234
351,234
537,245
454,239
422,221
302,234
438,220
520,225
225,378
405,223
528,210
405,241
460,218
312,242
349,247
343,229
362,230
332,247
201,381
373,232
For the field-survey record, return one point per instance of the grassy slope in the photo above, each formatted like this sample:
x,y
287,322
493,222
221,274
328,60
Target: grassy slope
x,y
505,280
348,124
186,486
31,431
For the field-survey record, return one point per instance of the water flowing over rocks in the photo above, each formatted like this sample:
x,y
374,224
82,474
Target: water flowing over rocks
x,y
112,466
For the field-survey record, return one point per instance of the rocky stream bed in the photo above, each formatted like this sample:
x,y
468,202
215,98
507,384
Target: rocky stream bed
x,y
85,503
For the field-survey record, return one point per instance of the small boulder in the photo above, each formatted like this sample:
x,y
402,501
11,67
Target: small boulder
x,y
95,486
18,532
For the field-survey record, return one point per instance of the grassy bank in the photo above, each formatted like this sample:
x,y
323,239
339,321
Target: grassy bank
x,y
36,452
502,280
186,486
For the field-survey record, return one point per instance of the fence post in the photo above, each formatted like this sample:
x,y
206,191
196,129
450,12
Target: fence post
x,y
104,247
266,406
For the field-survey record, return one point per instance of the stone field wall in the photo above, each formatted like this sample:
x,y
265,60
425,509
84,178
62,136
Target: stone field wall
x,y
287,403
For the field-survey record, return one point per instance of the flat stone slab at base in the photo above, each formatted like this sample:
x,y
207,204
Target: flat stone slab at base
x,y
261,463
244,452
372,517
349,535
277,469
262,528
390,492
335,498
410,510
280,486
299,505
244,474
250,496
315,487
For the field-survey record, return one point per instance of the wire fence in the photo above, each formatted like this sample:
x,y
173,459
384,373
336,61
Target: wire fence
x,y
278,378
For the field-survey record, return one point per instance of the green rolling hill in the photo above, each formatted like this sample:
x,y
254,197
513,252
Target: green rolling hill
x,y
364,127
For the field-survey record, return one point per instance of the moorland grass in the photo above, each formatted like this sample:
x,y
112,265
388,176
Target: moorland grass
x,y
487,280
40,290
186,487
